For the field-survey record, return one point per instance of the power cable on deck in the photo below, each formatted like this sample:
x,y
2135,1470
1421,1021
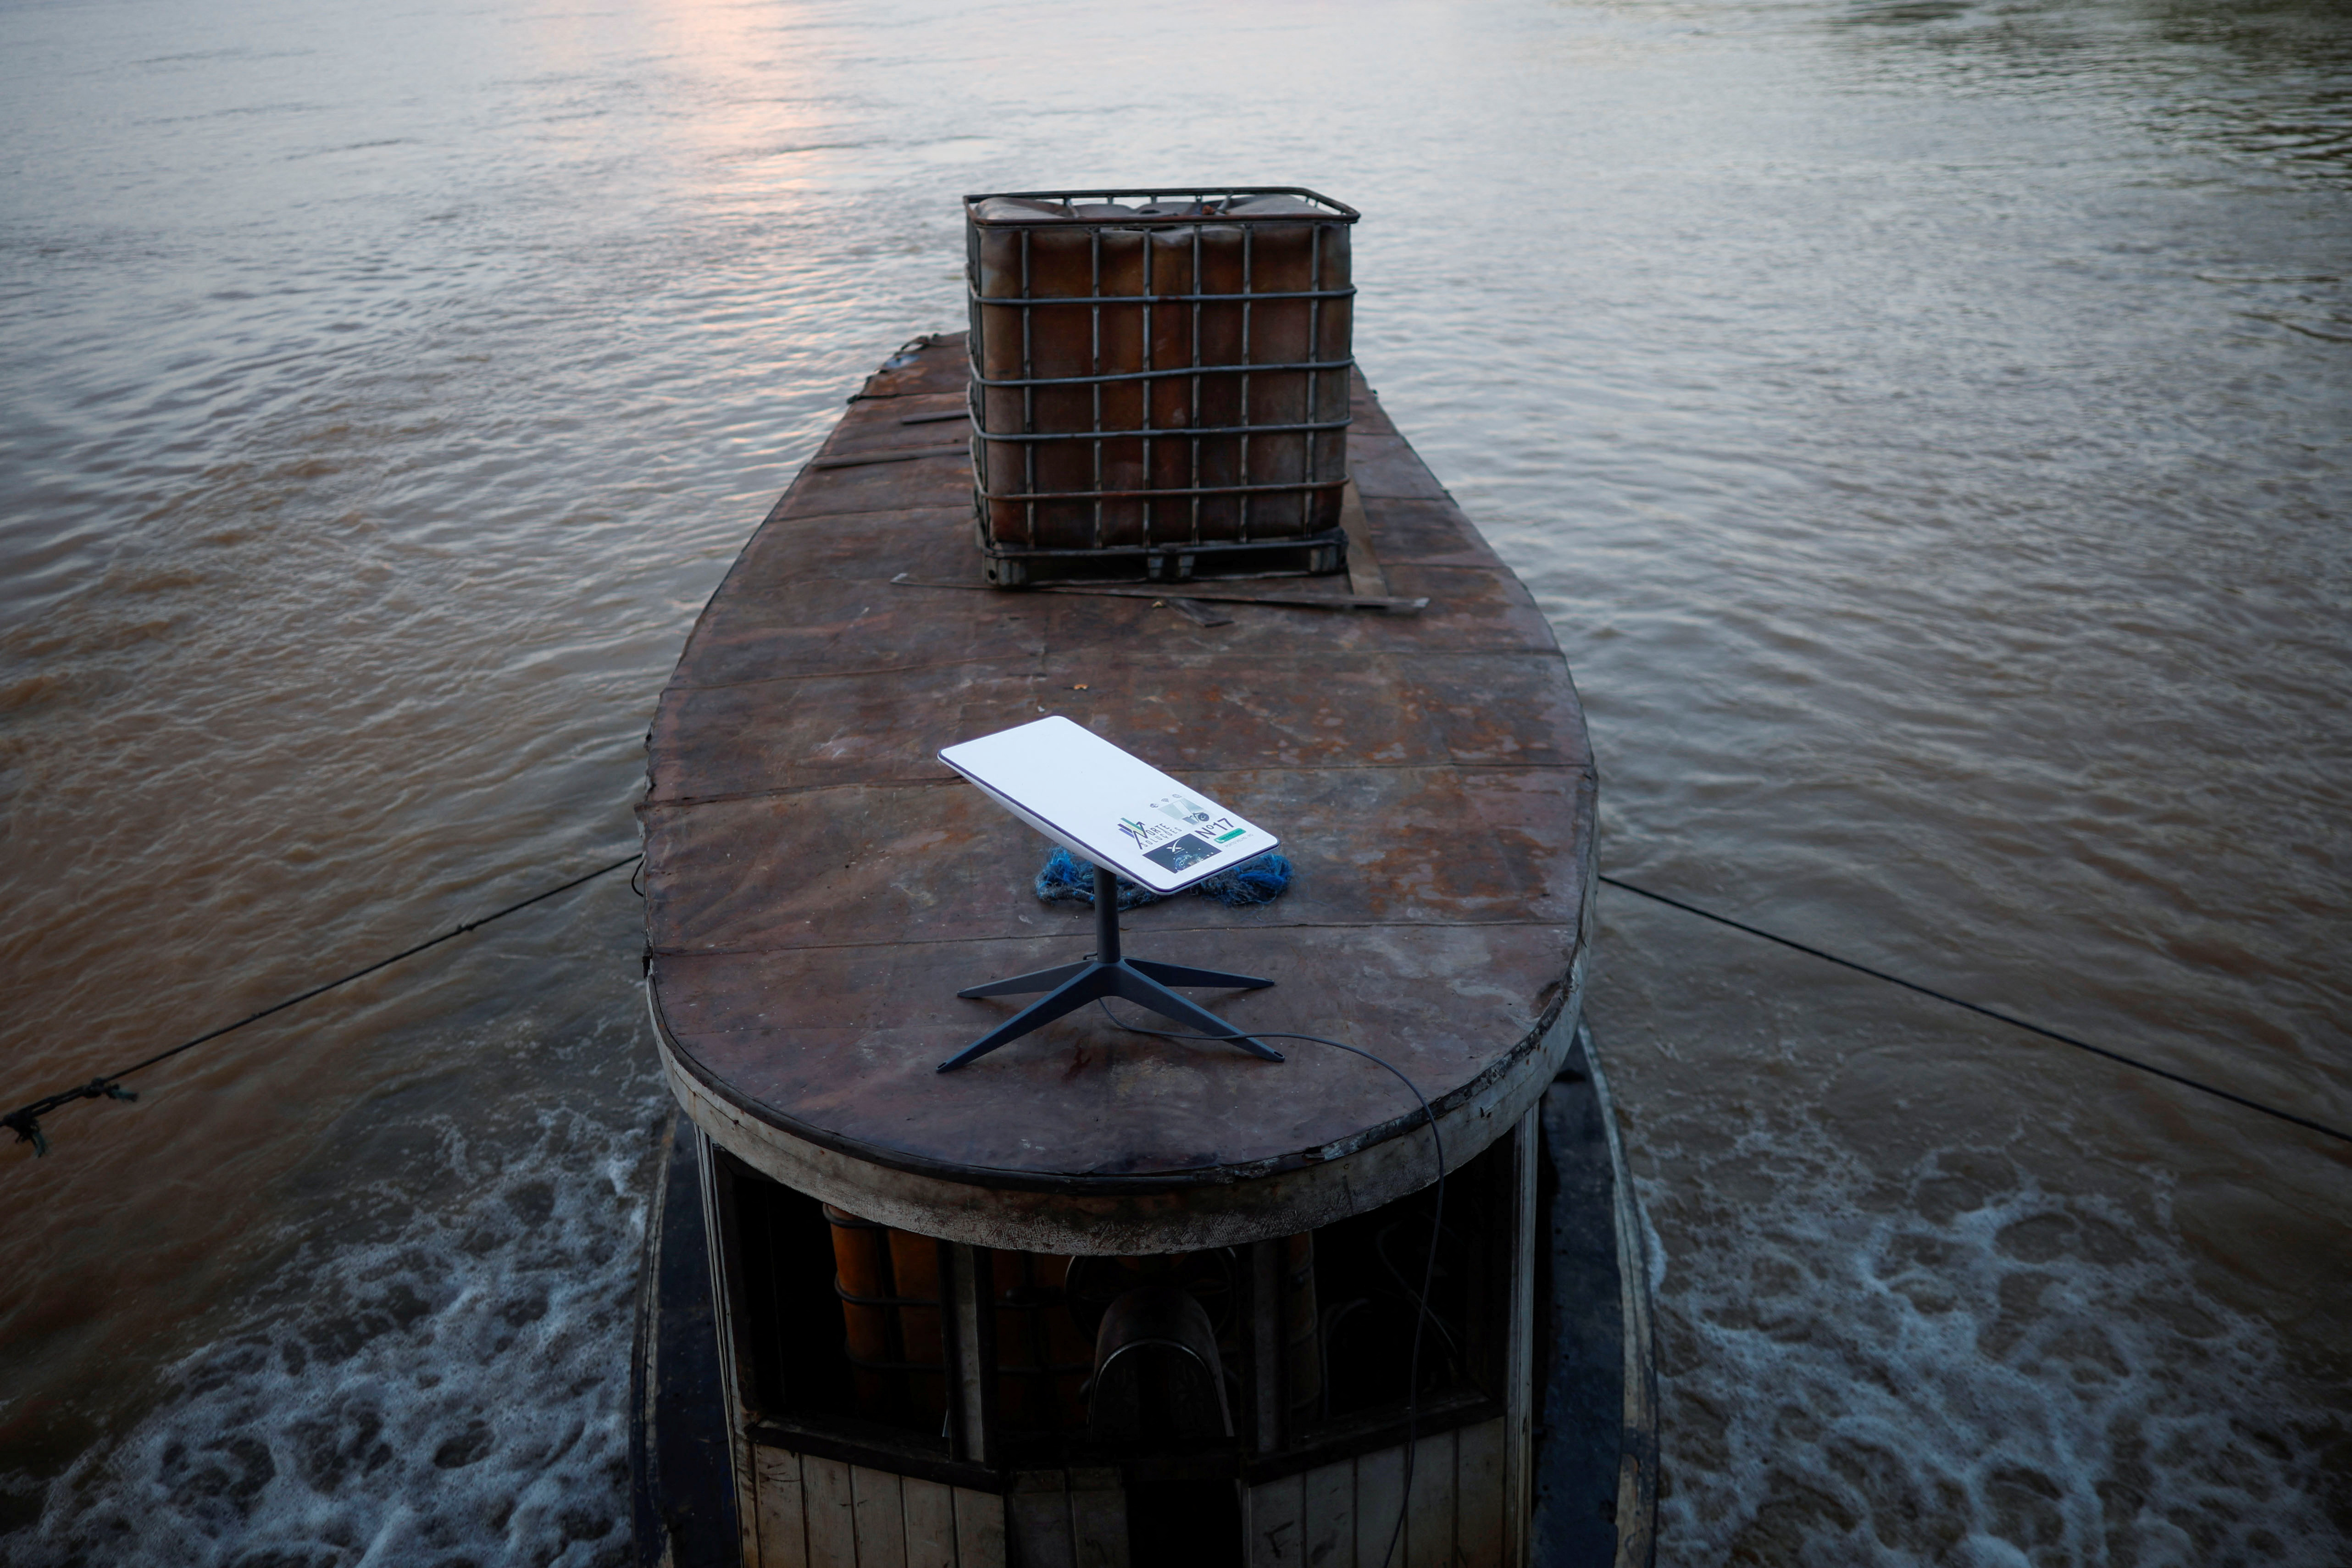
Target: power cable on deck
x,y
2303,1122
25,1119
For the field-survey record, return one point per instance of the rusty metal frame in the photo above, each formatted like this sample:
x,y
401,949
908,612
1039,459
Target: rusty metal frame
x,y
1320,551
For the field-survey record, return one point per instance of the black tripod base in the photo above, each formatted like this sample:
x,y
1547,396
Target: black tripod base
x,y
1138,980
1071,987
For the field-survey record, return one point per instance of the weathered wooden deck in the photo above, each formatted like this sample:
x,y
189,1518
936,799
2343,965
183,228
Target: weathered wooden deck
x,y
819,884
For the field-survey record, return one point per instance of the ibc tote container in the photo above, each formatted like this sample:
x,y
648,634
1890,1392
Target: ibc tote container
x,y
1159,390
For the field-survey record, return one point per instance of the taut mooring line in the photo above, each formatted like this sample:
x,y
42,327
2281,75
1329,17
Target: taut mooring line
x,y
2218,1093
25,1119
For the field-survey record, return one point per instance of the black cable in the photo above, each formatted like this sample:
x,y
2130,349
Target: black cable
x,y
25,1119
1436,1229
2303,1122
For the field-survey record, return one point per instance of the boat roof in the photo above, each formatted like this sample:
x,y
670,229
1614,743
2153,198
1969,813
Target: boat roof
x,y
819,884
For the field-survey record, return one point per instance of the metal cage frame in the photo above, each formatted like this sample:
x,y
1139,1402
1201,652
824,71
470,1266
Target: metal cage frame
x,y
1163,552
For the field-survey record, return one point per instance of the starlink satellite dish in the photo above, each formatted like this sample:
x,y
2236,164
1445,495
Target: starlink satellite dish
x,y
1109,806
1130,820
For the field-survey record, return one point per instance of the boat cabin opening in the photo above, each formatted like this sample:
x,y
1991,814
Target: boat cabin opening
x,y
1169,1386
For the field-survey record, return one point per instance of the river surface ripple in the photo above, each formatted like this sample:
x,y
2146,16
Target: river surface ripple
x,y
1925,422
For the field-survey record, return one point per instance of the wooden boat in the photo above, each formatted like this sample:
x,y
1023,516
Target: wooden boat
x,y
1104,1297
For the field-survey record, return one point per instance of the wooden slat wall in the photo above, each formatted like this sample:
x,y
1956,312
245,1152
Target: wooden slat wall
x,y
930,1524
1429,1519
1481,1492
1037,1517
1276,1523
820,1513
1098,1518
1380,1487
979,1529
1067,1519
1329,1517
1465,1511
1342,1515
880,1507
832,1513
780,1509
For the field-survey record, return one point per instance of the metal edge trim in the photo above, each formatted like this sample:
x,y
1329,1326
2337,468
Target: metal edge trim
x,y
1637,1466
987,1177
1341,211
1030,1217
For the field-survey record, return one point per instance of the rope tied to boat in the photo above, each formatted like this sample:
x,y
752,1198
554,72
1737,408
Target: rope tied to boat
x,y
1065,878
2321,1128
25,1119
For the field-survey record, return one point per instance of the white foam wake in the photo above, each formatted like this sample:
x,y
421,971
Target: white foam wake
x,y
452,1391
1962,1367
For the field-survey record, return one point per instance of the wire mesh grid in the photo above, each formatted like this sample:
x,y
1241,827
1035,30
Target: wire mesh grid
x,y
1160,385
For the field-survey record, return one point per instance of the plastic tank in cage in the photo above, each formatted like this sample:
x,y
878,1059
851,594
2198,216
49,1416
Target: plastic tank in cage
x,y
1160,383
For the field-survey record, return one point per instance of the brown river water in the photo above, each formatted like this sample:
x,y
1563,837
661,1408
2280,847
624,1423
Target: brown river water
x,y
1925,422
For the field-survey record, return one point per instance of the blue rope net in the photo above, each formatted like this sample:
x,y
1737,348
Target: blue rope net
x,y
1067,879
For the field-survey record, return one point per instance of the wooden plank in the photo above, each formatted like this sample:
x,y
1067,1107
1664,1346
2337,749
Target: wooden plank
x,y
837,867
930,1523
1426,533
1327,1516
979,1529
1289,598
1429,1519
843,617
863,459
831,1512
1038,1513
1098,1518
880,1507
780,1508
913,371
867,488
1365,413
835,729
1380,1497
1386,466
1365,575
1480,1540
1276,1524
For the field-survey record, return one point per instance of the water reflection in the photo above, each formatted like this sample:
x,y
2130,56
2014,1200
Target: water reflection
x,y
2263,82
1922,422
